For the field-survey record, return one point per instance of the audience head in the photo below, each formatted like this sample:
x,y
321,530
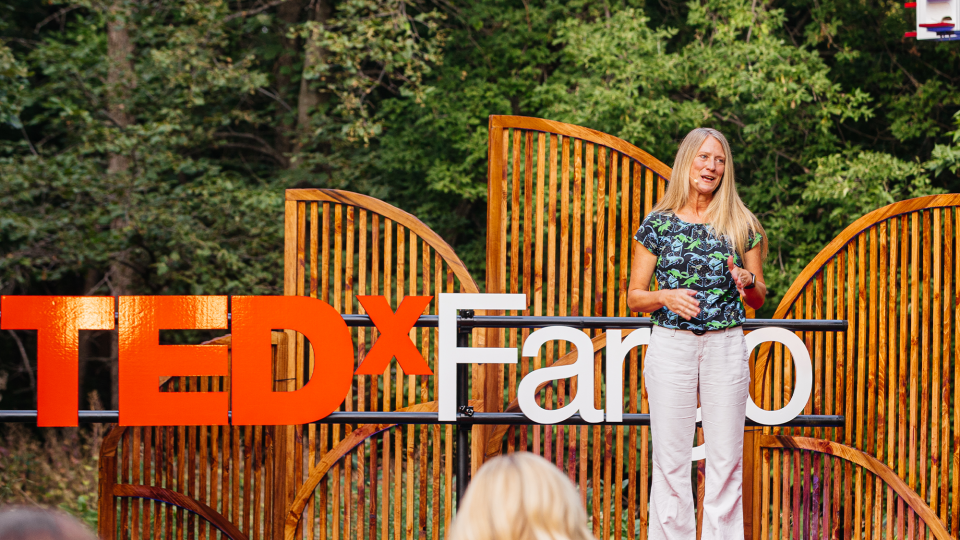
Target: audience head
x,y
26,523
520,496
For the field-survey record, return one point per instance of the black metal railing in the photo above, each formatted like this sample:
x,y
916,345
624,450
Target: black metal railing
x,y
467,417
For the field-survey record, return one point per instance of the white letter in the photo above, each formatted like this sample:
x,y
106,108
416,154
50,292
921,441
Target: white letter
x,y
802,367
451,355
616,353
582,369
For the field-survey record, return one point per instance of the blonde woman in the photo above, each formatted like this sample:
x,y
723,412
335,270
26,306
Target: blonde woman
x,y
520,496
706,250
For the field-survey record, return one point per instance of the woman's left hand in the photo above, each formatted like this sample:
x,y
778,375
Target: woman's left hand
x,y
742,277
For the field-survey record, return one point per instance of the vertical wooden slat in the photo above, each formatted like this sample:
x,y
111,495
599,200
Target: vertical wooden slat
x,y
338,287
168,481
588,264
295,433
527,253
258,459
124,478
551,283
437,441
411,394
914,357
348,300
362,379
882,374
955,510
135,479
935,382
325,430
515,244
902,370
850,378
159,456
890,228
536,294
948,287
387,403
648,198
633,376
924,382
448,448
202,472
398,393
313,258
564,276
575,248
375,405
860,376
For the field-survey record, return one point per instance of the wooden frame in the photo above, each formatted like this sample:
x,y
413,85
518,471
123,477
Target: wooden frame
x,y
563,204
892,274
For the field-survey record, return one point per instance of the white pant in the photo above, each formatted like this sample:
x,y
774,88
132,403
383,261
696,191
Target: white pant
x,y
676,361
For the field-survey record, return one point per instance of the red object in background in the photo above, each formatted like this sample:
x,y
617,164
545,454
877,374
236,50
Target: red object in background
x,y
937,25
394,337
910,5
143,361
58,321
909,34
252,375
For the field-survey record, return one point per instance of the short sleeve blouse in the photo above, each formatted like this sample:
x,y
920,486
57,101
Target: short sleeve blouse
x,y
691,256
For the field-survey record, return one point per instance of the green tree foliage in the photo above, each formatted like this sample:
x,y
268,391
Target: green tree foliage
x,y
144,145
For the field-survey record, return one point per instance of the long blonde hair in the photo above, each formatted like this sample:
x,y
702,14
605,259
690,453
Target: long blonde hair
x,y
520,496
726,214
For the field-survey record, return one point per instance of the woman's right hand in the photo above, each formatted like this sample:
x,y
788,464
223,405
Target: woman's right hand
x,y
681,302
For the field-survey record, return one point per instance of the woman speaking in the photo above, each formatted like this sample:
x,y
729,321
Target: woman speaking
x,y
706,250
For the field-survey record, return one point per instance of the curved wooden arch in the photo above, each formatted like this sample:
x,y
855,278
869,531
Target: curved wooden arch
x,y
398,216
180,500
850,233
580,132
354,439
869,463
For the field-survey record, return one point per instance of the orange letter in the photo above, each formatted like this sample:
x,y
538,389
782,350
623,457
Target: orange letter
x,y
252,383
57,320
394,337
143,360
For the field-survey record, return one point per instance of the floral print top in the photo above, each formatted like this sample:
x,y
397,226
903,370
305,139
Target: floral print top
x,y
691,256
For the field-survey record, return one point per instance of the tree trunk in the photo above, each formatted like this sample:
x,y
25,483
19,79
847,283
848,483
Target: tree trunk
x,y
120,79
289,14
309,98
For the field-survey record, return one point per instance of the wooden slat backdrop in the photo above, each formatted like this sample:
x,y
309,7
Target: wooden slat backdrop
x,y
893,374
355,482
222,474
564,202
563,205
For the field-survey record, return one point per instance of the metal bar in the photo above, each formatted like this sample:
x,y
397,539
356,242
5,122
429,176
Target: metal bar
x,y
624,323
529,321
479,418
463,403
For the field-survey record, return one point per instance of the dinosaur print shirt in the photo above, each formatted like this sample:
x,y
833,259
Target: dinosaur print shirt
x,y
690,256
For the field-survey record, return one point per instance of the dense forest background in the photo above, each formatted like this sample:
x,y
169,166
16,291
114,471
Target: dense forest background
x,y
144,145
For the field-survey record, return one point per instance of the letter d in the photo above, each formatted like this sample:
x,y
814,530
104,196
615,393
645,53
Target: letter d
x,y
254,400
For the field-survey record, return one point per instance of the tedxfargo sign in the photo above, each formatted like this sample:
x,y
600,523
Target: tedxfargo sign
x,y
252,400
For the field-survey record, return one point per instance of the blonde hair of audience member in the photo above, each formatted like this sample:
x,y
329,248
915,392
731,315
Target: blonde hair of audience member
x,y
520,496
27,523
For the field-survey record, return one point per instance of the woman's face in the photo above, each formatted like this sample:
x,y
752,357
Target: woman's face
x,y
707,168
